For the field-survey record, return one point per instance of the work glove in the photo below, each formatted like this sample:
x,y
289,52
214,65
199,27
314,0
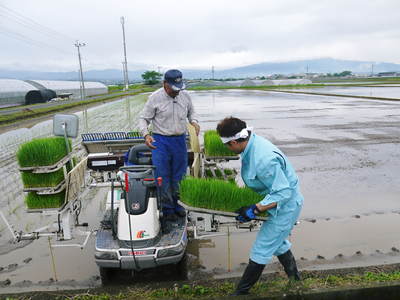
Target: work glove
x,y
247,213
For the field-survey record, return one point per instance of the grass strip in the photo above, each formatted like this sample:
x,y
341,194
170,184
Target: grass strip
x,y
35,201
216,194
257,87
275,288
42,152
213,145
120,88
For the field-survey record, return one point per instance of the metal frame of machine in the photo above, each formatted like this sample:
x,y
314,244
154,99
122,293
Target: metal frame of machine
x,y
129,246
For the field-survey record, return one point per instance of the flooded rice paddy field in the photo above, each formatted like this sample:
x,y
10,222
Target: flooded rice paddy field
x,y
385,91
346,153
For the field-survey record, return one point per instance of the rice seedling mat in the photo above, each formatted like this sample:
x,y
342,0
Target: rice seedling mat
x,y
47,190
215,149
67,199
48,211
49,169
214,212
215,171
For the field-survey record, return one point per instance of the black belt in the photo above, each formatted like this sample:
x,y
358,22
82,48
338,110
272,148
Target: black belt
x,y
173,135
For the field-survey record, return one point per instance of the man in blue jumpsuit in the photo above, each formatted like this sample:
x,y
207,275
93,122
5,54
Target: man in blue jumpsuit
x,y
168,110
267,171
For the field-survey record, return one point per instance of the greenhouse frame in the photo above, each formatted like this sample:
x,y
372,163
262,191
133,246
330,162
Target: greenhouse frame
x,y
23,92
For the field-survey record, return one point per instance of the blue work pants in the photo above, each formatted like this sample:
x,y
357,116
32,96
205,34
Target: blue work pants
x,y
170,159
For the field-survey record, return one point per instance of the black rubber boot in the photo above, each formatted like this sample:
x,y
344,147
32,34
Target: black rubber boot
x,y
289,264
249,278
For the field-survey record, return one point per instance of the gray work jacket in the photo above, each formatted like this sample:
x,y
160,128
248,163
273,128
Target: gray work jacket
x,y
168,115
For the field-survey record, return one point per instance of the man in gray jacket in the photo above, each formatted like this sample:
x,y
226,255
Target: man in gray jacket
x,y
168,110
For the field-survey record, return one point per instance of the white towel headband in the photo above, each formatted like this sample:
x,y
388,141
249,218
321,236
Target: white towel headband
x,y
244,133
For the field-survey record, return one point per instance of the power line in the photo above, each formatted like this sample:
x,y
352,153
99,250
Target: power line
x,y
29,22
26,22
30,27
16,37
23,38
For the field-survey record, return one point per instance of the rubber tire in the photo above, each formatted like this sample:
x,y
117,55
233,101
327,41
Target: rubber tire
x,y
182,268
105,275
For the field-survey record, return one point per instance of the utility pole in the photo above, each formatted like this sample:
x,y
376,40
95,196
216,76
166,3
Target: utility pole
x,y
372,69
82,89
212,72
126,79
124,72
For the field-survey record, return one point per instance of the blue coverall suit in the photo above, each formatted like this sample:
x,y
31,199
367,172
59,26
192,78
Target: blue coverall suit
x,y
267,171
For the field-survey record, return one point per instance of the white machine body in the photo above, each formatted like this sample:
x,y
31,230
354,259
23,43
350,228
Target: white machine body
x,y
144,226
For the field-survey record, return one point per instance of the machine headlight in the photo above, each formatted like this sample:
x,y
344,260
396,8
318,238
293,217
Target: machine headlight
x,y
106,255
171,251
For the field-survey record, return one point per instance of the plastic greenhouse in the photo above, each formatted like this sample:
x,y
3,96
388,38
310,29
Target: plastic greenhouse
x,y
20,92
91,88
13,92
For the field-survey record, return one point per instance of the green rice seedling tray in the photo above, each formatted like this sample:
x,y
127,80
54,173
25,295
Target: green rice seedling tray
x,y
42,152
208,173
48,169
47,190
42,180
215,212
230,172
214,148
39,203
216,194
216,172
46,181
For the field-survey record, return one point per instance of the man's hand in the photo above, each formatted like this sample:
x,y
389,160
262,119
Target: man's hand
x,y
247,213
148,139
196,127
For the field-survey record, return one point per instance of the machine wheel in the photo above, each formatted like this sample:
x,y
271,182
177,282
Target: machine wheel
x,y
182,268
105,275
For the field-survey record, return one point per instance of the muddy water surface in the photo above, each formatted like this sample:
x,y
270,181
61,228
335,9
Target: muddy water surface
x,y
346,153
386,91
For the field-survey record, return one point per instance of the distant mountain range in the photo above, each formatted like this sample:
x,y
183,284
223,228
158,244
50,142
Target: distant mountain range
x,y
323,65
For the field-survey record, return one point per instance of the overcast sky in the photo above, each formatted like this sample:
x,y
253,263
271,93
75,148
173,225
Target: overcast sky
x,y
40,34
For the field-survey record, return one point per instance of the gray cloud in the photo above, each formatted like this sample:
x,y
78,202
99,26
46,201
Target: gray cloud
x,y
195,33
